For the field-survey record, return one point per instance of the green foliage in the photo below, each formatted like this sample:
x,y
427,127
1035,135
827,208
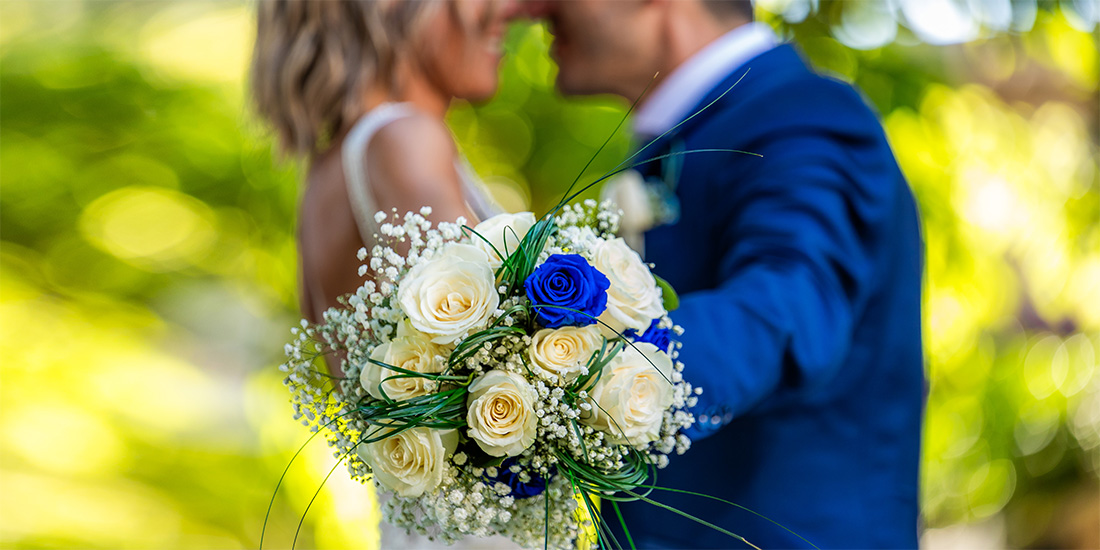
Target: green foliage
x,y
668,295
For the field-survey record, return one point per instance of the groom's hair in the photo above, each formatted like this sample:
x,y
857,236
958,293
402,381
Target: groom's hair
x,y
727,9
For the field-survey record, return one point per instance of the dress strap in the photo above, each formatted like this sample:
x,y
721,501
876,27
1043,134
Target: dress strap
x,y
353,154
477,197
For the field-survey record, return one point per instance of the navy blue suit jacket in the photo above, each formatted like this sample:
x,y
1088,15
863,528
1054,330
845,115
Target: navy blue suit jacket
x,y
799,275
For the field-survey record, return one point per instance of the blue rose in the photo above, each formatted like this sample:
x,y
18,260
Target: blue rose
x,y
660,337
534,486
567,291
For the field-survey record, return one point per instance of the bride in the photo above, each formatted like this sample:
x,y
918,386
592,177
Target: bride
x,y
359,88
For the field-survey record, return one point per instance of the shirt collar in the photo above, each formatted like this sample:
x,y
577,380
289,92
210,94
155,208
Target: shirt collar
x,y
671,101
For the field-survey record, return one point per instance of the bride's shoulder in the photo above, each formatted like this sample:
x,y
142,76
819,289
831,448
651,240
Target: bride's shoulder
x,y
415,134
413,151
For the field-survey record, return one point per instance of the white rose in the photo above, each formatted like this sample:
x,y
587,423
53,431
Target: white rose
x,y
410,350
634,299
504,233
501,413
410,462
564,352
632,396
450,294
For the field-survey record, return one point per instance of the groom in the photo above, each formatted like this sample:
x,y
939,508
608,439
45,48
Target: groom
x,y
799,275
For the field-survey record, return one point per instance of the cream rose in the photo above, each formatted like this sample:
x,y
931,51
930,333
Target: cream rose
x,y
633,300
501,413
410,350
564,352
504,233
410,462
632,396
450,294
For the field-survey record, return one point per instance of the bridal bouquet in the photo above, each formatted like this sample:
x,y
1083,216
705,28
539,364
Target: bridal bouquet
x,y
497,378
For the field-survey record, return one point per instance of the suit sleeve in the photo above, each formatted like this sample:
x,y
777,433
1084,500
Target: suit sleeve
x,y
794,234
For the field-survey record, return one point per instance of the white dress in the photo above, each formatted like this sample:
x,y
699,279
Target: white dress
x,y
364,207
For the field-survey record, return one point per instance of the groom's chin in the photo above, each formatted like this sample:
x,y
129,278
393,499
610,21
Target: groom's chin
x,y
578,76
575,83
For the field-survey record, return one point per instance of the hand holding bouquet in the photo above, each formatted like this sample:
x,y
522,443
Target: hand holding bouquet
x,y
492,373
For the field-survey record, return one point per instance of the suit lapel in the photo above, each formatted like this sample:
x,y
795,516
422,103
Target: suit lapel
x,y
768,66
746,80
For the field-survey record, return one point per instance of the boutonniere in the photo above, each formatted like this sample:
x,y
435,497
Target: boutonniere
x,y
662,188
646,202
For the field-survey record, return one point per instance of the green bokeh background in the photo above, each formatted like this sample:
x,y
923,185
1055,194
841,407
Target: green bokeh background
x,y
148,276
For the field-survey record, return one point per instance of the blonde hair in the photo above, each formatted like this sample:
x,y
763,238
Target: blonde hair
x,y
315,60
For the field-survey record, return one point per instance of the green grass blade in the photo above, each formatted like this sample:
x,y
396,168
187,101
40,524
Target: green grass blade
x,y
622,522
271,502
656,158
611,135
693,518
318,491
734,504
682,122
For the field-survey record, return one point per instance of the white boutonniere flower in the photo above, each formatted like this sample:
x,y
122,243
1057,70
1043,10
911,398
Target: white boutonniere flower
x,y
628,191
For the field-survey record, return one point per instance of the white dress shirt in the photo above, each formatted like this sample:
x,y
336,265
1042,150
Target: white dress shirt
x,y
672,100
